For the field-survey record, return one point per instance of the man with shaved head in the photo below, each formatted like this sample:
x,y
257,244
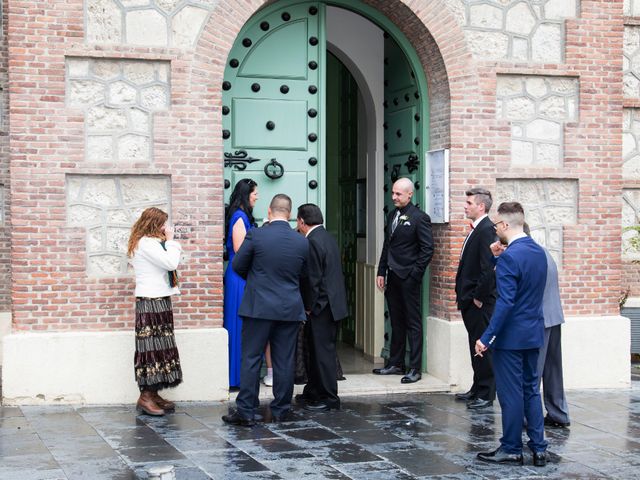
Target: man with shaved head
x,y
272,259
407,251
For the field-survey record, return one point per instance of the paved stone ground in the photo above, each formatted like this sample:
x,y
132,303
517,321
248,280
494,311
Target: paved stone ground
x,y
400,436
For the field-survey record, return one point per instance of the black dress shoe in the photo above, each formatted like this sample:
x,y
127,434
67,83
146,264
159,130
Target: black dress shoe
x,y
539,459
283,417
550,422
500,456
320,407
466,396
301,397
236,419
412,376
479,403
390,370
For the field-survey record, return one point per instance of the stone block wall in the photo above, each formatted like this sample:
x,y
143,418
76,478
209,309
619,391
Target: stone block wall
x,y
5,183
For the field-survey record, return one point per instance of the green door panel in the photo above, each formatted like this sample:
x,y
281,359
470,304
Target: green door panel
x,y
281,54
403,131
251,119
273,104
404,142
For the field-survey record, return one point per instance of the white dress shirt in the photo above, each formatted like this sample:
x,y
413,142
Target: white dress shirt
x,y
152,265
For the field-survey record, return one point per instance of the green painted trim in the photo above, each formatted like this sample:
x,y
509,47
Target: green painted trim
x,y
322,124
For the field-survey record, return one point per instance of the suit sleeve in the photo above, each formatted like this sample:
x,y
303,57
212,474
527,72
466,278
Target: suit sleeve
x,y
241,263
315,274
383,266
507,275
425,240
487,279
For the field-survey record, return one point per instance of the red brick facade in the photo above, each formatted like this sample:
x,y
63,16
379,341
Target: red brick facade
x,y
50,289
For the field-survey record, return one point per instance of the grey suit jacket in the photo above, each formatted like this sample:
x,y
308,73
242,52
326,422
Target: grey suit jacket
x,y
551,304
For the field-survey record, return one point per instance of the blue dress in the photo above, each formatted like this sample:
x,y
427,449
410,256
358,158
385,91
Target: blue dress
x,y
233,292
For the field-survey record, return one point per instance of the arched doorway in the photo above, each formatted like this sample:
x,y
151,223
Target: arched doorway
x,y
281,128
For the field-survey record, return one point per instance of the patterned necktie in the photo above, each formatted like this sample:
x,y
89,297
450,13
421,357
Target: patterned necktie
x,y
394,224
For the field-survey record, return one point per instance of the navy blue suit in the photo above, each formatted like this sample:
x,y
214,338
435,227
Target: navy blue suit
x,y
516,333
273,260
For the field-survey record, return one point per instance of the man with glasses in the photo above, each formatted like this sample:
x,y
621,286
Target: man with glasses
x,y
515,335
476,293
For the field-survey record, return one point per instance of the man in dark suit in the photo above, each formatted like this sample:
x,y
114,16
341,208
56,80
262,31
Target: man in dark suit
x,y
550,359
272,259
407,250
515,334
476,293
325,302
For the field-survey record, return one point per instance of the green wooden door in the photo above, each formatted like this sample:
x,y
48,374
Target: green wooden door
x,y
403,136
273,103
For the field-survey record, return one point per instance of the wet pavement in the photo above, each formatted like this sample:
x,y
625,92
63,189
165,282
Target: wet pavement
x,y
400,436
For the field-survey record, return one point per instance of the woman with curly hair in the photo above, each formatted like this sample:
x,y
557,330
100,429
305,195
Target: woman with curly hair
x,y
155,255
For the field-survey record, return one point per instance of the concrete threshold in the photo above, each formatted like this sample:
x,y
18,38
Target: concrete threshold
x,y
357,385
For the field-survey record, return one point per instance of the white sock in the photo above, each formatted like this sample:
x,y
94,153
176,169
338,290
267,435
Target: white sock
x,y
270,372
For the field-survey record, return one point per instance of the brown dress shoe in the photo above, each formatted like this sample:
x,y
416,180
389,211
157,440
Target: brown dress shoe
x,y
147,404
164,404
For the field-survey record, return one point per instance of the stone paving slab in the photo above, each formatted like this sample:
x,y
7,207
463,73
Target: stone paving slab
x,y
399,436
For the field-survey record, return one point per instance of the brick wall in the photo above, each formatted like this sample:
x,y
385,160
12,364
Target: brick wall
x,y
5,214
51,289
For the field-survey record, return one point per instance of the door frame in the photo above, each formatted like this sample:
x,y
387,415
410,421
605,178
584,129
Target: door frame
x,y
375,203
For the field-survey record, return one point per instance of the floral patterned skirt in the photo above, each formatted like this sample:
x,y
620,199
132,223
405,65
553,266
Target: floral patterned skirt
x,y
156,361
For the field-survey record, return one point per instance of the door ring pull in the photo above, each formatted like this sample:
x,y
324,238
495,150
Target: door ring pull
x,y
274,169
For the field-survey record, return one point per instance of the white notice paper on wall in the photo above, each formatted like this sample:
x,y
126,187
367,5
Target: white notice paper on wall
x,y
438,188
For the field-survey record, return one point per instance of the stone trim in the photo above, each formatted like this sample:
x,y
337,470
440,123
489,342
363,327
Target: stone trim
x,y
549,204
119,98
158,23
537,108
106,206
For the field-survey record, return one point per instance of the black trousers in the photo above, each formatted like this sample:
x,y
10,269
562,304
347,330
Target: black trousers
x,y
404,302
476,321
321,333
255,335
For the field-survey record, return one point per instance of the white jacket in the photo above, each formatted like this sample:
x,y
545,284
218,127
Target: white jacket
x,y
151,264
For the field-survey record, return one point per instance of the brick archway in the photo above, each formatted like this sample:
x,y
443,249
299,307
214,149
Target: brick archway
x,y
440,45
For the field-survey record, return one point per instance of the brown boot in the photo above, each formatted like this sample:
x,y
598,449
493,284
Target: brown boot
x,y
147,404
166,405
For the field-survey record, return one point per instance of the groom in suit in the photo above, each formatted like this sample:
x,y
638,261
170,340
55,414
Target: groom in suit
x,y
272,259
407,250
476,293
325,302
515,334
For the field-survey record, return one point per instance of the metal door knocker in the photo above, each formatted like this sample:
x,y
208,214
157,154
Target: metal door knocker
x,y
273,169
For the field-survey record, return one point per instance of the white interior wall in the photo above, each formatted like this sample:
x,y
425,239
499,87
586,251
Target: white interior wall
x,y
359,44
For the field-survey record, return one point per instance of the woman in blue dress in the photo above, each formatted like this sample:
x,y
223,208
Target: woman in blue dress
x,y
238,221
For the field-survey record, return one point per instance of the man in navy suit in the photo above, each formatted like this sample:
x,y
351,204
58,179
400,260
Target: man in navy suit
x,y
515,334
407,250
273,260
325,301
